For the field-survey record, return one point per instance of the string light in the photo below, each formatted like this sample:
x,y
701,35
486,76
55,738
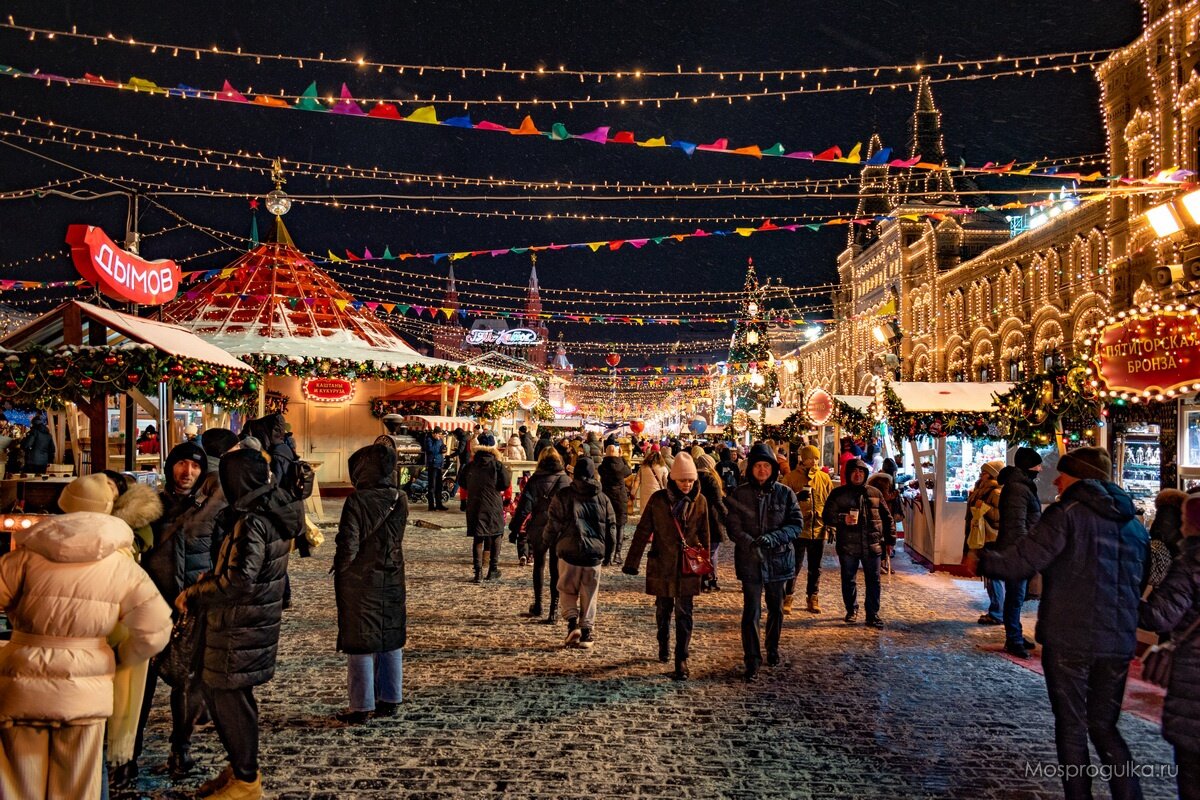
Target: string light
x,y
1078,57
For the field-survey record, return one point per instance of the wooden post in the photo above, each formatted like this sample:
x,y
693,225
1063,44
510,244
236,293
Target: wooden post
x,y
454,405
442,401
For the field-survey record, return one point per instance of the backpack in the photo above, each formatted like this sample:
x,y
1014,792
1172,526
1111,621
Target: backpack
x,y
586,543
298,479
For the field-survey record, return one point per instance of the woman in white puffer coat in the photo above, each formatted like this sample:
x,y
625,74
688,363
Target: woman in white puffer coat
x,y
66,587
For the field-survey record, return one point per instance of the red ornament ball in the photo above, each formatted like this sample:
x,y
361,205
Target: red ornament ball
x,y
612,359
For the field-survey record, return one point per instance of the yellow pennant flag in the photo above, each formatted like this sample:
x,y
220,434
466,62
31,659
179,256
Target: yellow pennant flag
x,y
744,231
657,141
341,304
594,246
853,157
459,256
334,258
888,309
426,114
143,85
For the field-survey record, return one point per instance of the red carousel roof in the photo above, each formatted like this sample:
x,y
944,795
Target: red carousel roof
x,y
275,292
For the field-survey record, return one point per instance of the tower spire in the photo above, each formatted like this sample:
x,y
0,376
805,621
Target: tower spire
x,y
872,197
923,186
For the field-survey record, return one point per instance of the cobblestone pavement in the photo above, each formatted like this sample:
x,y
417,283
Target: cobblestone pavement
x,y
493,705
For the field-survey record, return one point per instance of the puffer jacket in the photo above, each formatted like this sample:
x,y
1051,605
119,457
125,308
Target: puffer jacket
x,y
1168,519
368,563
650,480
139,507
875,526
714,498
763,522
38,445
242,597
658,529
1020,508
819,486
582,524
183,546
534,504
987,492
73,576
1091,551
485,480
613,472
1173,606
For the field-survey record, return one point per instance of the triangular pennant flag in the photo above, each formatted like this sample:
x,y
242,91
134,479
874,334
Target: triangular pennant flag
x,y
596,245
752,150
346,104
623,137
272,102
719,144
335,259
853,157
527,128
425,114
598,135
372,306
558,132
367,255
459,122
351,257
388,307
230,94
139,85
404,307
387,254
309,100
657,141
384,111
687,147
484,125
880,158
774,150
832,154
805,155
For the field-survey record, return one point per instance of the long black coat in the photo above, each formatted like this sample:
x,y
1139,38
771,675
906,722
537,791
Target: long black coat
x,y
183,541
38,445
1174,606
368,564
613,472
242,597
485,481
657,528
535,504
1020,508
714,496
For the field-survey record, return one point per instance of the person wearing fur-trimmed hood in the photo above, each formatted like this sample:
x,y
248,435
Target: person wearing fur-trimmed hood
x,y
485,479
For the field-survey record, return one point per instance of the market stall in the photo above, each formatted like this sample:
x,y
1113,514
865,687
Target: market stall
x,y
950,434
325,357
824,420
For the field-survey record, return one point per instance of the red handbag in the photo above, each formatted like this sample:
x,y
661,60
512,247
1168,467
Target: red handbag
x,y
696,560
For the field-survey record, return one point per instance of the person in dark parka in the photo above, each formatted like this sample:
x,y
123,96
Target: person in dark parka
x,y
1172,608
38,445
675,514
1020,510
532,512
242,600
764,519
528,443
1168,519
486,480
1091,550
858,515
368,584
543,441
613,471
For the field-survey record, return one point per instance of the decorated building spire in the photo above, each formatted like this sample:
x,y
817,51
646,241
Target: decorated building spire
x,y
451,297
926,186
873,198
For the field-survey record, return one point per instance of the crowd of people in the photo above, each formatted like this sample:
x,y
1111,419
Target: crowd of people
x,y
95,594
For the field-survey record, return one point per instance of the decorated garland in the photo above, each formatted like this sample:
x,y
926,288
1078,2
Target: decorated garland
x,y
41,378
1032,410
506,406
380,407
854,422
913,424
320,367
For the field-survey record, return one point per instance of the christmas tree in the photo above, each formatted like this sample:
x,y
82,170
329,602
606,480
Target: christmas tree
x,y
750,361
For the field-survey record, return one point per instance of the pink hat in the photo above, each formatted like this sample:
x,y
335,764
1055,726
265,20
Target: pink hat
x,y
684,469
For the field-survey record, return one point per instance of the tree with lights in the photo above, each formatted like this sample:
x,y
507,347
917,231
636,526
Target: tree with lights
x,y
753,380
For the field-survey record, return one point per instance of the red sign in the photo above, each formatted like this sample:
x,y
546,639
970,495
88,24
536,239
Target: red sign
x,y
819,406
1150,353
328,390
118,273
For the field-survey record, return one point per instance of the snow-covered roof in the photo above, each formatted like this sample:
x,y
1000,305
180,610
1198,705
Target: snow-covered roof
x,y
336,345
956,396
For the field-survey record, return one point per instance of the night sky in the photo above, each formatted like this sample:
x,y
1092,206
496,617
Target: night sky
x,y
1050,115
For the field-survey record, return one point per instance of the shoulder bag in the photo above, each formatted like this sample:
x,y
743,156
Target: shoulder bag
x,y
1156,662
696,560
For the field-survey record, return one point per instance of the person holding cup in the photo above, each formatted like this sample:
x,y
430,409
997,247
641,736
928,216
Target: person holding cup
x,y
859,516
812,487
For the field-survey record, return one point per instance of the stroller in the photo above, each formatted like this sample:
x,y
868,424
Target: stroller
x,y
417,487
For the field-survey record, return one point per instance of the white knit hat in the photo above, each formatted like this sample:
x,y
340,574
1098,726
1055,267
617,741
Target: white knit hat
x,y
89,493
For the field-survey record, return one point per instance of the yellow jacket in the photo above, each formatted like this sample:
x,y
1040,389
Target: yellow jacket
x,y
820,485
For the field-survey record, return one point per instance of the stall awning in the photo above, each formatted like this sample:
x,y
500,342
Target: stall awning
x,y
427,422
957,396
568,424
509,388
48,331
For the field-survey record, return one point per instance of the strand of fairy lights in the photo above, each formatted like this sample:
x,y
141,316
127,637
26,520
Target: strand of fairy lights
x,y
619,102
331,171
763,74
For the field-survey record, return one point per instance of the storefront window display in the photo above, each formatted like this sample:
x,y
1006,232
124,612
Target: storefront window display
x,y
964,461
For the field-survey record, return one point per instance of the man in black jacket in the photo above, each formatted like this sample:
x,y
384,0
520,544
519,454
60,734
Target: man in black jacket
x,y
486,479
582,525
528,443
613,472
435,462
543,441
862,524
764,521
1020,510
1091,551
242,600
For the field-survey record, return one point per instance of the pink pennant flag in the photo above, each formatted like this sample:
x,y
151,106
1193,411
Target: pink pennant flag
x,y
346,104
805,155
638,242
499,252
905,163
230,94
699,232
420,310
719,144
372,305
484,125
367,254
599,135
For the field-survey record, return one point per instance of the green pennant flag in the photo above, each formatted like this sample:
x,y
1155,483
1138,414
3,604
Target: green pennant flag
x,y
658,239
558,132
774,150
309,101
403,308
387,254
520,250
816,227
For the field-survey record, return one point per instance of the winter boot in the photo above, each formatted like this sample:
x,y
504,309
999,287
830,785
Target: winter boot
x,y
573,632
787,604
478,575
240,790
814,604
552,617
213,785
180,764
585,639
681,671
535,610
493,574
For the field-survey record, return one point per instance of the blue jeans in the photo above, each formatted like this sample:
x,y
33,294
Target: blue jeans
x,y
870,565
1085,696
375,676
995,591
1014,598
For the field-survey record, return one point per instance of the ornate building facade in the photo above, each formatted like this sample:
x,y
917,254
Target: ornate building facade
x,y
966,299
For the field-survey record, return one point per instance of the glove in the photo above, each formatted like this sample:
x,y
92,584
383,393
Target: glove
x,y
628,570
767,540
